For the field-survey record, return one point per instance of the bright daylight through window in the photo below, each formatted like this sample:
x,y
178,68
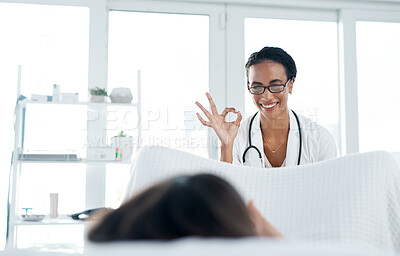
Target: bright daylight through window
x,y
313,46
49,53
173,60
378,55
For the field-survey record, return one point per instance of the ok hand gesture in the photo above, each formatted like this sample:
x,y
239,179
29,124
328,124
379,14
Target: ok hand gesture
x,y
226,131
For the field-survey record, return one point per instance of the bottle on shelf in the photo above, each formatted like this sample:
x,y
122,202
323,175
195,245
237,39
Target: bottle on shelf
x,y
56,93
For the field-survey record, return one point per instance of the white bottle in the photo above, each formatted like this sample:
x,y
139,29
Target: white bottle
x,y
56,93
53,205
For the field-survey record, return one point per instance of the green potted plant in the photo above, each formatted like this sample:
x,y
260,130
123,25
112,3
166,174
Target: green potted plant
x,y
98,94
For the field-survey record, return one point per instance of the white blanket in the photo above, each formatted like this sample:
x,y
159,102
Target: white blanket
x,y
206,247
353,199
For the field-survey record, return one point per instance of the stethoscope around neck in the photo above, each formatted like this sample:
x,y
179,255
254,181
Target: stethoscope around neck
x,y
251,146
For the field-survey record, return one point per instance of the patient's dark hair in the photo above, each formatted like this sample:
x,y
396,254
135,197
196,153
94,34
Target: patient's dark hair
x,y
200,205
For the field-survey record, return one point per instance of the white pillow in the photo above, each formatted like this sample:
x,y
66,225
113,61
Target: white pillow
x,y
397,157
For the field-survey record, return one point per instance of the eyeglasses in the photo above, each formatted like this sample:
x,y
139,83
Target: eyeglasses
x,y
275,88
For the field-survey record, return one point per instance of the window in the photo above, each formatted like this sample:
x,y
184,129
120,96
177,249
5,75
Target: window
x,y
180,56
378,53
313,46
39,180
52,49
173,61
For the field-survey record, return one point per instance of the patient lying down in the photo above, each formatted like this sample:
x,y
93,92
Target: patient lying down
x,y
201,205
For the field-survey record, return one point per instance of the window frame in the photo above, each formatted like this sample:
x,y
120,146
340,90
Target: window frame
x,y
217,41
348,71
236,43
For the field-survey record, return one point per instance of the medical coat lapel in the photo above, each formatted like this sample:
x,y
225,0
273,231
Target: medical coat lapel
x,y
257,137
292,151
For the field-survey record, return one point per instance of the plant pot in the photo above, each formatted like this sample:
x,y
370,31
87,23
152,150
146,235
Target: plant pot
x,y
121,95
98,98
123,146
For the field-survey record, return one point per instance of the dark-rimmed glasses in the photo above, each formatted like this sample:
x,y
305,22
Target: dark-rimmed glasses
x,y
275,88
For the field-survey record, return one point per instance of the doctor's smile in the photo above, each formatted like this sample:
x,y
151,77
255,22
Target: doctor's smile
x,y
269,107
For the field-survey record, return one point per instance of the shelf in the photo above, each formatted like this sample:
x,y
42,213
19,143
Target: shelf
x,y
92,104
61,220
83,161
96,124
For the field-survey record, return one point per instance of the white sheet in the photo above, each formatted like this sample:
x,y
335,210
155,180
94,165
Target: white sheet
x,y
208,247
353,199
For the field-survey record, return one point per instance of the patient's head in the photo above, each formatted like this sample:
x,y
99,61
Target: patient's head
x,y
199,205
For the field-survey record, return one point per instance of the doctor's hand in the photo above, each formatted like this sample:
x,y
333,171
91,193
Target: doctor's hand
x,y
226,131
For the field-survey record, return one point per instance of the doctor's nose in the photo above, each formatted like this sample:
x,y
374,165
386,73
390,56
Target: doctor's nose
x,y
268,95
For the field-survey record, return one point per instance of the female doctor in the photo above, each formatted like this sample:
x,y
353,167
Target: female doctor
x,y
275,136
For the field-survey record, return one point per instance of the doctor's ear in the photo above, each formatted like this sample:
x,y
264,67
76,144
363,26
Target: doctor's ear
x,y
290,85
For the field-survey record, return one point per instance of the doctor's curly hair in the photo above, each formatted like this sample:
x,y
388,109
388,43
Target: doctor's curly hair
x,y
274,54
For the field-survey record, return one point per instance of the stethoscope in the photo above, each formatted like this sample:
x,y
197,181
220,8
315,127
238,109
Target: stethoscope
x,y
258,151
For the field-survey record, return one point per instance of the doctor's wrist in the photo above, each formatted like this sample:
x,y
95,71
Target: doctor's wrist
x,y
227,146
226,153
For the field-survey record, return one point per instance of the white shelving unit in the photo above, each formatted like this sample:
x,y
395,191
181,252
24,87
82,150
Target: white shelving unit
x,y
61,220
92,193
89,104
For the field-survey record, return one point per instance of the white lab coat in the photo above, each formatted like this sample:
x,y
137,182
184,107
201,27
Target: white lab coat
x,y
318,143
